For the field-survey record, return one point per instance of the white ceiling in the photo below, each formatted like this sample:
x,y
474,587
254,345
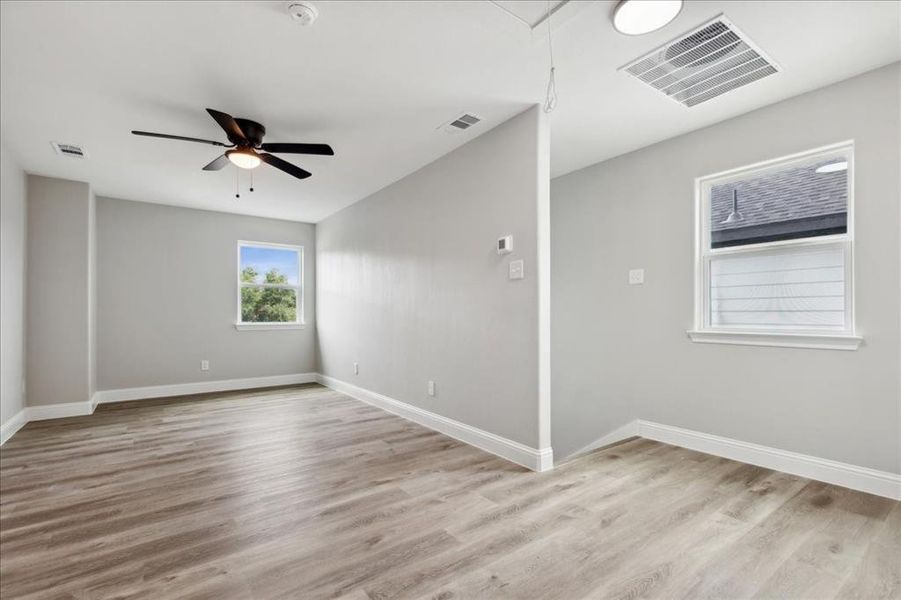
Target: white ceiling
x,y
373,79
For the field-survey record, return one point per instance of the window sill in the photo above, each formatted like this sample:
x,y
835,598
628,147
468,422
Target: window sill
x,y
267,326
783,340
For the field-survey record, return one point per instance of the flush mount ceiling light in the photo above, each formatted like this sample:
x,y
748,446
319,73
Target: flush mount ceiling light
x,y
635,17
244,158
835,167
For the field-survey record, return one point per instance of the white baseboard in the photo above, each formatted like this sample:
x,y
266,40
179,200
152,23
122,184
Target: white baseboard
x,y
199,387
77,409
629,430
59,411
880,483
13,425
42,413
531,458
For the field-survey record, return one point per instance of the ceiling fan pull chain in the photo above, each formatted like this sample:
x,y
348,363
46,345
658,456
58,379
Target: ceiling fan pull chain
x,y
251,181
550,102
237,183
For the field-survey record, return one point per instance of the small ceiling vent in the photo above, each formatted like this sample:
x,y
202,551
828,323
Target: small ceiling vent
x,y
461,123
69,150
713,59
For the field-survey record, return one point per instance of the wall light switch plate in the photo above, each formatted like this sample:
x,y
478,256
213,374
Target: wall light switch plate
x,y
431,388
204,365
516,269
636,277
356,368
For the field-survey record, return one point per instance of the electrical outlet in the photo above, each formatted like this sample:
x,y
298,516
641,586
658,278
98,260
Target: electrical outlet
x,y
204,365
636,277
356,368
431,388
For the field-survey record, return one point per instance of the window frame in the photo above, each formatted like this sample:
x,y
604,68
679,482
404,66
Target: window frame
x,y
300,321
703,331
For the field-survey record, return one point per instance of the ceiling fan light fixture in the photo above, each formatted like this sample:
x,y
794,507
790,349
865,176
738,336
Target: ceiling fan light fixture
x,y
245,159
636,17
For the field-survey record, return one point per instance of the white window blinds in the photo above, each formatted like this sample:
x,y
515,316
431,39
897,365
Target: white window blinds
x,y
782,289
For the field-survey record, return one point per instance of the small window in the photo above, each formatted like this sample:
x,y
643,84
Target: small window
x,y
775,248
270,285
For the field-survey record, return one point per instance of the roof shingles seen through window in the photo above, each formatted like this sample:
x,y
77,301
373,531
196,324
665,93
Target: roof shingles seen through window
x,y
787,194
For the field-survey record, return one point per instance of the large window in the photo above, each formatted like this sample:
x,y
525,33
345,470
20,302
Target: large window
x,y
774,257
270,286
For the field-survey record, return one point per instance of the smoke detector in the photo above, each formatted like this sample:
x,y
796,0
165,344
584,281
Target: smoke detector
x,y
303,13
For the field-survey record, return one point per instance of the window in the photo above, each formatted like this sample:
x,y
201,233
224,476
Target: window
x,y
270,286
774,256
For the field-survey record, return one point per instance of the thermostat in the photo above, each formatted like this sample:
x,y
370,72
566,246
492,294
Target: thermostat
x,y
505,244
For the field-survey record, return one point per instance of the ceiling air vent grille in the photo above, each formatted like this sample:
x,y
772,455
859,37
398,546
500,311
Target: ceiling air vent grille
x,y
70,150
713,59
461,123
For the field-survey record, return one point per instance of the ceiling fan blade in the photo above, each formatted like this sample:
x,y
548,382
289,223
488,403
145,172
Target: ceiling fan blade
x,y
228,123
284,166
180,137
217,164
321,149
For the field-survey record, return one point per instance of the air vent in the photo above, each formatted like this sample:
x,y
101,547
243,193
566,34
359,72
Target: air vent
x,y
461,123
713,59
69,150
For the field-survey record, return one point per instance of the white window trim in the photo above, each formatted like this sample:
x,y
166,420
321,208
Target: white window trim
x,y
300,323
704,333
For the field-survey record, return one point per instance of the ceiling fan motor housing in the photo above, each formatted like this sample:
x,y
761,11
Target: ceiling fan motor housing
x,y
253,131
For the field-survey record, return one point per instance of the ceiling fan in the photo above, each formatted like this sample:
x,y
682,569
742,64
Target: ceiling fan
x,y
246,138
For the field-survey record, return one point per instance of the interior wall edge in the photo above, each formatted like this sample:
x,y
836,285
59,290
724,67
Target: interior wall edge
x,y
13,278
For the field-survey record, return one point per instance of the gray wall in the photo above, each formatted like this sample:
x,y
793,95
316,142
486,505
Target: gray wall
x,y
620,352
166,297
60,291
411,287
12,286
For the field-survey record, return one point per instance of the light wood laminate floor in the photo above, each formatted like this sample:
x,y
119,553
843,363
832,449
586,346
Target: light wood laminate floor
x,y
305,493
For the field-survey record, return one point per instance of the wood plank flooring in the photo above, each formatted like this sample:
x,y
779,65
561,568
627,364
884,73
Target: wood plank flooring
x,y
305,493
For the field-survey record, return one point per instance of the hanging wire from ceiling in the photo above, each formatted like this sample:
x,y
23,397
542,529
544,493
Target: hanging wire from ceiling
x,y
550,102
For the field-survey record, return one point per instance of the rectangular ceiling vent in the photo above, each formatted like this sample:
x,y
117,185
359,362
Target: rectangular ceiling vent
x,y
713,59
69,150
461,123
